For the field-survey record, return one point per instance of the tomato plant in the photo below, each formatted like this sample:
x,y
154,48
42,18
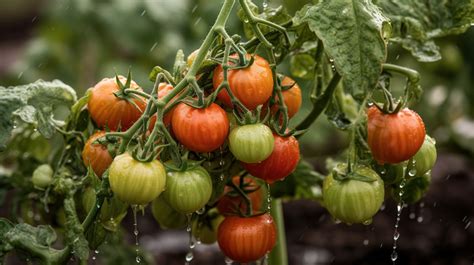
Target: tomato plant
x,y
291,97
246,239
281,162
136,182
396,137
251,143
222,162
111,107
233,203
189,190
353,200
96,155
200,130
252,85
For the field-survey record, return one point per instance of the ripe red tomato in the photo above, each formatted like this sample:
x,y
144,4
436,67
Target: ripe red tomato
x,y
246,239
231,201
96,155
163,90
281,162
200,130
291,97
396,137
108,110
253,85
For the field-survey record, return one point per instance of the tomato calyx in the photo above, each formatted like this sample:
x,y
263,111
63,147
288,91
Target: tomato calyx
x,y
341,174
123,92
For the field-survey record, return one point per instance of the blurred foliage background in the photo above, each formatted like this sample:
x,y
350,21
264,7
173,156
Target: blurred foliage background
x,y
82,41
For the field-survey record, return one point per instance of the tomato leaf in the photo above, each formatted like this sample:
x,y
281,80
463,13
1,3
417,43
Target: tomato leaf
x,y
415,23
33,103
353,34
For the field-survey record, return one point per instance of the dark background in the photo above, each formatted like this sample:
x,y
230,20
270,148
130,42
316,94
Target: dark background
x,y
80,42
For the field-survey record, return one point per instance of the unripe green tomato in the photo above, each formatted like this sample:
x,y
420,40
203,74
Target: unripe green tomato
x,y
112,211
188,191
166,216
42,176
354,201
425,158
251,143
390,173
414,190
136,182
206,232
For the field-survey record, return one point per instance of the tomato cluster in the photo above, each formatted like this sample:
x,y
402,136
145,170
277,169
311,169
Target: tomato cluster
x,y
177,189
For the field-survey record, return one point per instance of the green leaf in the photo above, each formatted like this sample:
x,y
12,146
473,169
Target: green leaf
x,y
353,34
5,226
41,236
277,15
33,103
416,23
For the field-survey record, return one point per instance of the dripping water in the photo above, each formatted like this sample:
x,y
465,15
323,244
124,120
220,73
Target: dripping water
x,y
228,261
269,198
135,233
396,233
192,245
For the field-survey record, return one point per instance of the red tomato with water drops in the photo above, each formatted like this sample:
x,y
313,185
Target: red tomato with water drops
x,y
200,130
96,155
281,162
396,137
246,239
253,85
112,112
291,97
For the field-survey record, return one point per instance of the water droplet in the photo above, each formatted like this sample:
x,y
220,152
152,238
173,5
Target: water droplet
x,y
143,13
412,215
396,235
135,232
265,4
383,171
367,222
20,75
228,261
366,242
269,198
370,104
197,21
189,256
412,172
221,177
221,162
152,48
35,130
394,256
201,211
382,207
419,219
337,221
96,251
467,225
194,8
93,257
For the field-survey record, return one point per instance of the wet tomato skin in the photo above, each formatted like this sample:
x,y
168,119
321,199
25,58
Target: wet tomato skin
x,y
246,239
109,111
200,130
281,162
253,85
136,182
163,90
251,143
291,97
96,155
396,137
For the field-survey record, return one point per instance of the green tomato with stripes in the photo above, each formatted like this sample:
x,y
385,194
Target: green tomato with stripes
x,y
353,200
251,143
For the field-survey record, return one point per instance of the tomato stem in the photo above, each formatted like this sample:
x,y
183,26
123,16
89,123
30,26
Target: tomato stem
x,y
279,255
319,104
